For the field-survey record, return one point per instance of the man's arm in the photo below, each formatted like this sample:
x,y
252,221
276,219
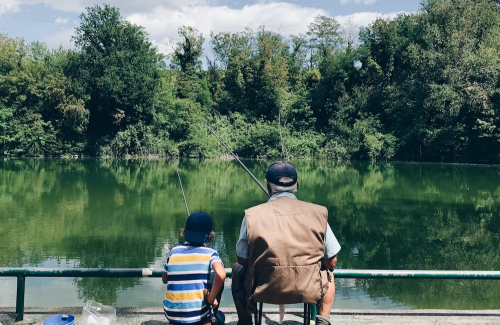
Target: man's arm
x,y
332,248
242,244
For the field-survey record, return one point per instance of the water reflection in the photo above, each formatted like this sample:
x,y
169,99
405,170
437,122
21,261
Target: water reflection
x,y
127,213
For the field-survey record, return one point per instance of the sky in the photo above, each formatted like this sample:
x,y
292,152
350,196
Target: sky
x,y
53,21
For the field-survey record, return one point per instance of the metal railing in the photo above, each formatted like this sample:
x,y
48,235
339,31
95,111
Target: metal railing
x,y
22,273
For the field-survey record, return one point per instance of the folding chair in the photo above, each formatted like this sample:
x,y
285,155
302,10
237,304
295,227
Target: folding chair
x,y
308,314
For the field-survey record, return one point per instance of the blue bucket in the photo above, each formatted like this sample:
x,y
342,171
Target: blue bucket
x,y
60,320
221,317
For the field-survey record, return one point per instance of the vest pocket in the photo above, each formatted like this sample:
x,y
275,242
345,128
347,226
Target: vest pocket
x,y
286,284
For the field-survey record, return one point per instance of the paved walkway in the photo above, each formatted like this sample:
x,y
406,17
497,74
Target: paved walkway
x,y
154,316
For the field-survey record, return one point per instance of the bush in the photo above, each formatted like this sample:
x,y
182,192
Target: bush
x,y
139,140
334,151
260,140
373,144
302,145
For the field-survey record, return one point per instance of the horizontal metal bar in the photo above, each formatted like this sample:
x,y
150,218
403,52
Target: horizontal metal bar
x,y
339,273
83,273
412,274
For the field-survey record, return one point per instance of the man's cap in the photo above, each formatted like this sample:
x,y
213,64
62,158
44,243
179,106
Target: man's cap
x,y
281,169
198,227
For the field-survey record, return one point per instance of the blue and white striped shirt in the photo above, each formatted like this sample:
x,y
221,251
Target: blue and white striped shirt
x,y
188,269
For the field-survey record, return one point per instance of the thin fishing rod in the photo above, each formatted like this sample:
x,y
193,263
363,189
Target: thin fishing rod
x,y
235,157
183,195
182,189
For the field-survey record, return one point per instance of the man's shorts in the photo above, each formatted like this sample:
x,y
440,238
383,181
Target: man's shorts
x,y
238,288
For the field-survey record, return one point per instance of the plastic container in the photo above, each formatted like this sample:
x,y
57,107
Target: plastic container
x,y
60,320
95,313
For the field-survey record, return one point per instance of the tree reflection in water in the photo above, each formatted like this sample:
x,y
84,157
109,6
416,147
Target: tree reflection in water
x,y
121,213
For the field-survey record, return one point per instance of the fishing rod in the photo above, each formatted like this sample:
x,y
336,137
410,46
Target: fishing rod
x,y
212,315
182,188
183,195
238,160
282,307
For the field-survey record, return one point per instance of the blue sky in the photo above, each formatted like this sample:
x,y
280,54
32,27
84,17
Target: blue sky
x,y
52,21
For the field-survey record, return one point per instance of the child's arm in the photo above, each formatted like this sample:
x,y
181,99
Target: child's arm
x,y
220,276
164,277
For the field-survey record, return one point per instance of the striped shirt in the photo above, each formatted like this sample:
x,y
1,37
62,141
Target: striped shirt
x,y
188,269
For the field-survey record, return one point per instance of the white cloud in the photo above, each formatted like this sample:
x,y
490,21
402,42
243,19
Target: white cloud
x,y
365,2
162,24
162,46
9,6
163,21
126,7
284,17
366,18
60,20
63,38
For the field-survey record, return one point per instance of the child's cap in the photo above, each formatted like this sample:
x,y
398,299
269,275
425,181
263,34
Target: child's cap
x,y
198,227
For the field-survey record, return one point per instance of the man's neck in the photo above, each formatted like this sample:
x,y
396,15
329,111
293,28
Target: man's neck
x,y
280,195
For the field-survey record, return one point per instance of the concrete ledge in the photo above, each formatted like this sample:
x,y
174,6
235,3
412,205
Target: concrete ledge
x,y
154,316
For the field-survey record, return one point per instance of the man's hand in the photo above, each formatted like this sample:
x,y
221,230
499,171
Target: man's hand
x,y
243,261
330,263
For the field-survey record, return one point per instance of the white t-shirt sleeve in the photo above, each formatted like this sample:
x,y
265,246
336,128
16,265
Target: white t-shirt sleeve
x,y
332,246
242,244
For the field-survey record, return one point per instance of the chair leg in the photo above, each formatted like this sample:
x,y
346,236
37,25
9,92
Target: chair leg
x,y
260,313
256,316
306,313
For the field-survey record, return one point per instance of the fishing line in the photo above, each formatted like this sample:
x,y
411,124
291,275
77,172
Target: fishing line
x,y
282,307
182,188
238,160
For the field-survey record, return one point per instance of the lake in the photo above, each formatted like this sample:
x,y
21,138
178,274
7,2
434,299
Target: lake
x,y
128,214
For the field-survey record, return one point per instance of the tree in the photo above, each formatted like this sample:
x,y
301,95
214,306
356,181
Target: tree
x,y
438,85
186,57
119,69
350,32
40,113
324,38
224,44
187,54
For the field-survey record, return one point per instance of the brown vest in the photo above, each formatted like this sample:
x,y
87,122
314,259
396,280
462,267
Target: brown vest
x,y
286,245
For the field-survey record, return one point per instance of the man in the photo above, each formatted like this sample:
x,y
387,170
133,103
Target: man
x,y
286,251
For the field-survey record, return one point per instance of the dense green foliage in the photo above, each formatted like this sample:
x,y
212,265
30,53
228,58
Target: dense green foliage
x,y
421,87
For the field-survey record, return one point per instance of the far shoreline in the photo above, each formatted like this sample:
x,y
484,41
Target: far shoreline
x,y
263,159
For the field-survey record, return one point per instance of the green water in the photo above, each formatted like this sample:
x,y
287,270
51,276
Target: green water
x,y
127,213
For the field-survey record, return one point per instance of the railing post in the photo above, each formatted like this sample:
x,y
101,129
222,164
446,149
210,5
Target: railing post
x,y
314,312
21,285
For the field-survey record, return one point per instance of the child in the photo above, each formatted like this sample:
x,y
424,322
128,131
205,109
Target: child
x,y
191,287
